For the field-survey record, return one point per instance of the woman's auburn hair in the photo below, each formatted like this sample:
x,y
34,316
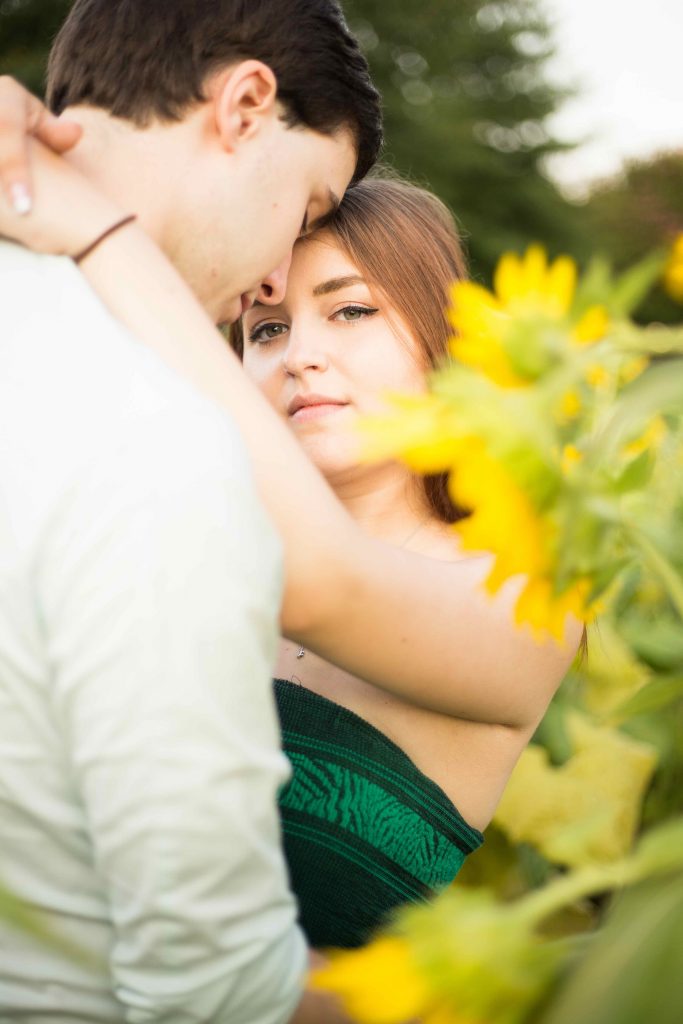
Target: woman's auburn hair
x,y
405,242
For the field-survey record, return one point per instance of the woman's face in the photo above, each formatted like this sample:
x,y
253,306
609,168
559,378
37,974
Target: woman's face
x,y
329,353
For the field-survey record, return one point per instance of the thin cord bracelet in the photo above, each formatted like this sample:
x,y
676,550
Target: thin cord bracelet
x,y
105,234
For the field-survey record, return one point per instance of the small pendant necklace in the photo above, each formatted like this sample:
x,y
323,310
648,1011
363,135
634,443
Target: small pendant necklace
x,y
302,650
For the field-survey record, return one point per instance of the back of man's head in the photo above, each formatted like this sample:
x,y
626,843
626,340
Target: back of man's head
x,y
147,60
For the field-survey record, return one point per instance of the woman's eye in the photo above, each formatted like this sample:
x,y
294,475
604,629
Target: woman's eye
x,y
266,332
351,314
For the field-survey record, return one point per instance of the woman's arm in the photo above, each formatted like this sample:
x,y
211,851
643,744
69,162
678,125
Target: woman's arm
x,y
21,117
421,628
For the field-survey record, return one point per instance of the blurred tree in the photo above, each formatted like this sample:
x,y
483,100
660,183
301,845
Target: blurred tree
x,y
27,28
639,210
466,106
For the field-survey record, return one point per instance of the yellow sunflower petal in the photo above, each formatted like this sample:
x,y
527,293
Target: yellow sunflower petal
x,y
592,326
379,984
569,406
673,273
508,278
649,440
560,286
503,520
487,355
598,377
570,457
545,612
534,269
533,605
472,308
529,286
633,368
414,423
673,281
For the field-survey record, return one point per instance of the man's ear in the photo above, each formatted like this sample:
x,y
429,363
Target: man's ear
x,y
244,98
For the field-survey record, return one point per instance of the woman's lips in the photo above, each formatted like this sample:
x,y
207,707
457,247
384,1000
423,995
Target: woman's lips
x,y
317,411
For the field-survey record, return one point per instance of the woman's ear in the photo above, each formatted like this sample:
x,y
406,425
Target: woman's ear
x,y
244,100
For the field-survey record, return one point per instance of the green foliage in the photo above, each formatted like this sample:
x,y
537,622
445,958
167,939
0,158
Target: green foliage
x,y
468,959
638,211
632,973
594,804
27,28
466,107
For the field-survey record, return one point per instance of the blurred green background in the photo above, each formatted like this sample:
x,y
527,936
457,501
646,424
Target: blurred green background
x,y
467,101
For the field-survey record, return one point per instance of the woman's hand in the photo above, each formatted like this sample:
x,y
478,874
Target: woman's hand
x,y
44,203
21,117
68,212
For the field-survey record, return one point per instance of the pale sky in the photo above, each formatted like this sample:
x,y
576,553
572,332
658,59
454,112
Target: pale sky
x,y
626,56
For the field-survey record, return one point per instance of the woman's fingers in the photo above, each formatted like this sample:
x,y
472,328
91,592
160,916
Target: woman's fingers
x,y
23,115
59,135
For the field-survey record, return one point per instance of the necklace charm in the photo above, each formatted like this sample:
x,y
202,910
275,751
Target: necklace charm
x,y
300,653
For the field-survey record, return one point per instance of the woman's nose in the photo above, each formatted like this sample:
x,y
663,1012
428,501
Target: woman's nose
x,y
304,352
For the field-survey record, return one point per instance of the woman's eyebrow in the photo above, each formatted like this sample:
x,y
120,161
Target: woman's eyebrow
x,y
335,283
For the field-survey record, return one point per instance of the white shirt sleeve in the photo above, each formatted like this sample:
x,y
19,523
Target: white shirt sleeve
x,y
159,589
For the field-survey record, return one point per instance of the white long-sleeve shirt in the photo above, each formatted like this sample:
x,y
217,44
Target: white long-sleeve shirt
x,y
139,754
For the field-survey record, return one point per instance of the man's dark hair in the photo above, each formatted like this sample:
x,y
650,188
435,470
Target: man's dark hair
x,y
150,59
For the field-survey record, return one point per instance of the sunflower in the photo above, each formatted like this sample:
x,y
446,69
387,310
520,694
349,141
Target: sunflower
x,y
505,333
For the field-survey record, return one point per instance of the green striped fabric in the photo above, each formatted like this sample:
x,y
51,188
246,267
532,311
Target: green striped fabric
x,y
365,831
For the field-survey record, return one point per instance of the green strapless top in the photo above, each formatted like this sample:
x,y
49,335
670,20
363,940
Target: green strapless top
x,y
364,830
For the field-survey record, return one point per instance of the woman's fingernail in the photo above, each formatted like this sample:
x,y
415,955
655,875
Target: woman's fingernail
x,y
21,199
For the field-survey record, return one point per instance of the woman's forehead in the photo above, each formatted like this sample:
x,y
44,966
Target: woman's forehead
x,y
319,254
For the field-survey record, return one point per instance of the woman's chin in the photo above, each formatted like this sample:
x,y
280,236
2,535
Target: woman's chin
x,y
332,456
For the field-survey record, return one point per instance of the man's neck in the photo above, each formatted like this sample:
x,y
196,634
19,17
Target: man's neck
x,y
126,164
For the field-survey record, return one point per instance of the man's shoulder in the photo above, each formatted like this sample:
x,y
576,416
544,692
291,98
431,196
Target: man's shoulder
x,y
45,304
16,259
23,272
74,382
68,351
46,297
